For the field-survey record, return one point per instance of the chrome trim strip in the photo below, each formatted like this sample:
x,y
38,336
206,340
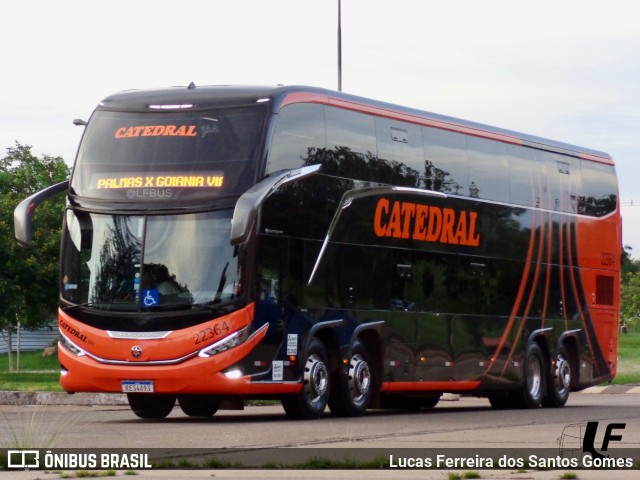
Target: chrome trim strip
x,y
138,335
106,361
153,362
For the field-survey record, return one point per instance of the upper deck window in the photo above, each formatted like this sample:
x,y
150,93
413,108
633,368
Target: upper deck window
x,y
599,190
564,181
168,155
446,162
299,137
488,169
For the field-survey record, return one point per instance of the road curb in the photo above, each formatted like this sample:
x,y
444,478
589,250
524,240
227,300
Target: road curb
x,y
612,389
61,398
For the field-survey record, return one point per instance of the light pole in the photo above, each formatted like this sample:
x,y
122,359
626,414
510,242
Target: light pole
x,y
339,45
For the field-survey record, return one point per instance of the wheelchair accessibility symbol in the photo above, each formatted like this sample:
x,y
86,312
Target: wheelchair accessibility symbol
x,y
150,297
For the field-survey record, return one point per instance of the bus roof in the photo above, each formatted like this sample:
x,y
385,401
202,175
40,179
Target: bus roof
x,y
202,97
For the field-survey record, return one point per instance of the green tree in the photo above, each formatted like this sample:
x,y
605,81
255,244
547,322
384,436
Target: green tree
x,y
630,300
628,264
630,290
29,277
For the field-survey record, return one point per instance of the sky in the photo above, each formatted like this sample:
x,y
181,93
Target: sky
x,y
564,69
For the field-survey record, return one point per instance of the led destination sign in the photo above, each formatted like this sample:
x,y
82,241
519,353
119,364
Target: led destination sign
x,y
100,181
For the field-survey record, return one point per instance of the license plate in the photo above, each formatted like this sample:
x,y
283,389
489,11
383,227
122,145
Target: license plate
x,y
137,386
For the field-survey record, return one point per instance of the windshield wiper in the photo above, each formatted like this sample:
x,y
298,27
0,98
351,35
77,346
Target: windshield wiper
x,y
214,307
68,308
181,306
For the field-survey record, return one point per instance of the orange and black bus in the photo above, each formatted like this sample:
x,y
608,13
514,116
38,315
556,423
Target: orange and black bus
x,y
293,243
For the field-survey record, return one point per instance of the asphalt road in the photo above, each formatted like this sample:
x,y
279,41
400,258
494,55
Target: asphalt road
x,y
468,424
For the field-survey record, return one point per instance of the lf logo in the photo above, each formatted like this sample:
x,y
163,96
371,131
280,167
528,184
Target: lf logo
x,y
590,436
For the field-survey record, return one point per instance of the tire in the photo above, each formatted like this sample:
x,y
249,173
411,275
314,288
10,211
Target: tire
x,y
313,397
430,402
559,380
199,405
533,389
150,405
351,392
501,401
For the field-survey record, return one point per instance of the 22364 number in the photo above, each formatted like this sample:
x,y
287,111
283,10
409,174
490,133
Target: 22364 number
x,y
608,259
211,332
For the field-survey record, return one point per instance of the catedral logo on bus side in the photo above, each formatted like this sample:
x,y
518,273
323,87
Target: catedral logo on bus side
x,y
426,223
157,131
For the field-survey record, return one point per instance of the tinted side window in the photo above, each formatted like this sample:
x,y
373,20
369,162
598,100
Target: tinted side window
x,y
599,189
299,133
352,151
488,169
399,142
352,131
564,181
528,177
351,146
446,165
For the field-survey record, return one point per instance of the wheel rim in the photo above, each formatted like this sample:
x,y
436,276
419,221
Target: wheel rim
x,y
359,378
316,379
562,374
534,377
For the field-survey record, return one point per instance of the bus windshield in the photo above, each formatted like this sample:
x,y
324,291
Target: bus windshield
x,y
168,156
146,263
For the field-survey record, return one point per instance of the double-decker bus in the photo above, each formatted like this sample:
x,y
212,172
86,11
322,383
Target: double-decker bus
x,y
294,243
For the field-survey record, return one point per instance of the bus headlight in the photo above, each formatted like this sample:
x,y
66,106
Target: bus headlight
x,y
72,347
230,341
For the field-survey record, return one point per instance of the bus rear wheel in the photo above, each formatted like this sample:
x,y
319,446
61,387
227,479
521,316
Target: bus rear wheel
x,y
559,383
351,391
199,405
150,405
313,397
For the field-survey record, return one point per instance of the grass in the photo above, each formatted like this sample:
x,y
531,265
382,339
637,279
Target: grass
x,y
38,373
31,381
35,427
469,474
628,359
88,474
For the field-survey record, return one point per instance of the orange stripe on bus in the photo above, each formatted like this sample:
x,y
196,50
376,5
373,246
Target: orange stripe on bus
x,y
453,386
395,115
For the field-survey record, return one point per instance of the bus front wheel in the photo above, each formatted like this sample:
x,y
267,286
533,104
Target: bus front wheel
x,y
534,385
311,401
151,406
351,391
199,405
